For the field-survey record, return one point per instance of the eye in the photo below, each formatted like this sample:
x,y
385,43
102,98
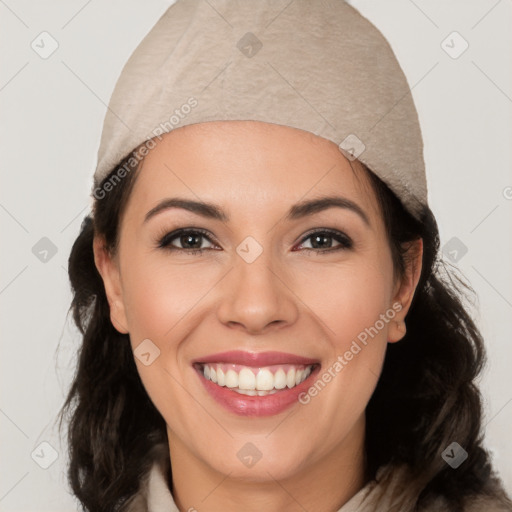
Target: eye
x,y
190,239
320,241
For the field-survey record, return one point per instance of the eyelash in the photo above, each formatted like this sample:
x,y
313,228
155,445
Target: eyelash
x,y
165,240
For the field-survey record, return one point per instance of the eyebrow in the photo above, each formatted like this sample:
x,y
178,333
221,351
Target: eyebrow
x,y
297,211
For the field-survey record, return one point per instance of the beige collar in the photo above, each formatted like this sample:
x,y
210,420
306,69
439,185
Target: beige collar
x,y
159,498
155,496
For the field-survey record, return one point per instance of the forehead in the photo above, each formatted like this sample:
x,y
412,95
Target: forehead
x,y
248,162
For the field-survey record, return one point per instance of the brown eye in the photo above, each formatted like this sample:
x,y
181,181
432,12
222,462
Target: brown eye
x,y
321,241
190,239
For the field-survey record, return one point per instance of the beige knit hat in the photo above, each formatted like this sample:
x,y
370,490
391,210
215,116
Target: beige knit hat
x,y
315,65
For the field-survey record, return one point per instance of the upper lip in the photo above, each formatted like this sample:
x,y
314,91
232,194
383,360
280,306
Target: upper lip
x,y
255,358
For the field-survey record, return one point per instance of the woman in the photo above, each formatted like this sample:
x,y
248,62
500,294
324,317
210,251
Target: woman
x,y
265,324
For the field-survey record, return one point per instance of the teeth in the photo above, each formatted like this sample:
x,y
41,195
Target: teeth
x,y
264,380
280,379
249,392
290,378
253,392
246,379
261,383
231,378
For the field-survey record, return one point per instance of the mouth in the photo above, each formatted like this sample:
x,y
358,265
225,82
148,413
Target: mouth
x,y
256,384
251,381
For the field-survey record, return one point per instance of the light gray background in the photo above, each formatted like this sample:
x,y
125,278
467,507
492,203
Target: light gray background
x,y
52,113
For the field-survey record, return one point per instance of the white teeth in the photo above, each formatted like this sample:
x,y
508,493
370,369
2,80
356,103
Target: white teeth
x,y
280,379
290,378
264,380
231,379
253,392
249,392
262,383
246,379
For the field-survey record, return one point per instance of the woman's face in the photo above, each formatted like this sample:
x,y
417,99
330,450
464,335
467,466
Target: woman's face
x,y
266,301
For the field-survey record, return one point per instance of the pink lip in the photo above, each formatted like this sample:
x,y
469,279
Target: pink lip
x,y
255,358
244,405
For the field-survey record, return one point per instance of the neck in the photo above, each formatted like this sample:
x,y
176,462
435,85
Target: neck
x,y
326,484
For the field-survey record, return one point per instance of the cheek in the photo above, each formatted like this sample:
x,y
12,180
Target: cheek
x,y
354,306
162,302
349,297
353,302
160,295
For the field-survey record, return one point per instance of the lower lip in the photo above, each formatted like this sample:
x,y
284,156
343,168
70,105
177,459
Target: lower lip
x,y
267,405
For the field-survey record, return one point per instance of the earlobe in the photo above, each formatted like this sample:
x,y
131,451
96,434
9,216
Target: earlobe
x,y
396,331
108,268
406,289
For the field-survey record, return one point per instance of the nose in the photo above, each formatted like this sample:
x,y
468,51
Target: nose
x,y
257,298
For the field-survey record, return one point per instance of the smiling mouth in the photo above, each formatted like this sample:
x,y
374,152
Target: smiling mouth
x,y
255,381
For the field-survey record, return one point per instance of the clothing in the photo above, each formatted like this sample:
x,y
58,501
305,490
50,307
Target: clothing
x,y
317,66
155,496
160,499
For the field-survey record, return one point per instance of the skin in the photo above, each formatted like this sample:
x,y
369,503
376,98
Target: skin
x,y
290,299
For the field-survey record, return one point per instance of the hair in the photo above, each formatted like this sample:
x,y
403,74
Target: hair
x,y
425,399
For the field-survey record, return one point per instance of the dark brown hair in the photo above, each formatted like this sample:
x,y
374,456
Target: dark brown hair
x,y
425,399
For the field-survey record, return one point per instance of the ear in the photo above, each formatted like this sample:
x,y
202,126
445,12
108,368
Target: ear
x,y
108,268
405,288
